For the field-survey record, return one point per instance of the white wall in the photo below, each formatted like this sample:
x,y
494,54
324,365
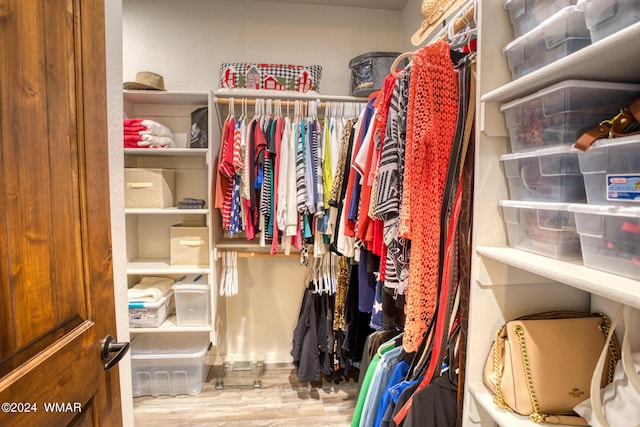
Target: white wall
x,y
258,323
113,35
186,41
411,20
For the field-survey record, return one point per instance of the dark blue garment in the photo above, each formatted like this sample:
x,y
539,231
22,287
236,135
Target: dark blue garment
x,y
235,220
354,205
376,313
352,212
366,283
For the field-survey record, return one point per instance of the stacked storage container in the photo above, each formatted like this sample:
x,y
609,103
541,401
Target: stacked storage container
x,y
545,32
546,183
171,366
605,17
609,225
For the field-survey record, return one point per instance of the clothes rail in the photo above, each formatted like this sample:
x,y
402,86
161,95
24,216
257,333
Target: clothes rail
x,y
222,96
261,254
248,97
252,101
285,102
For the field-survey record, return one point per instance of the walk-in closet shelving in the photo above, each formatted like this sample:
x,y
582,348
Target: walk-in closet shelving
x,y
148,229
506,282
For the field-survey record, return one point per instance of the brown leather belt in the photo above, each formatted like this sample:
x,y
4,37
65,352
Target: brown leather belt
x,y
613,128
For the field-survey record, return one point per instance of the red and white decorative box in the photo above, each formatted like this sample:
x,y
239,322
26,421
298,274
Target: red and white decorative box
x,y
282,77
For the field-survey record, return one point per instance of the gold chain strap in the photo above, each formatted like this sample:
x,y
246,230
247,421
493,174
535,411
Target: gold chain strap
x,y
604,326
536,416
497,379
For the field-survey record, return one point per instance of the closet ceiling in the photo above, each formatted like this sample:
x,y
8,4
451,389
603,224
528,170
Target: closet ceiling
x,y
367,4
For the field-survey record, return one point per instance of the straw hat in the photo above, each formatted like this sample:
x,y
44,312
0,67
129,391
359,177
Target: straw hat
x,y
146,80
434,12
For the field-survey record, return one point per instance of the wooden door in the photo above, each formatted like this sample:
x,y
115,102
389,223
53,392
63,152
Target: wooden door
x,y
56,294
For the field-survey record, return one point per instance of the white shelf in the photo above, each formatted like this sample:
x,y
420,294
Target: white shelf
x,y
502,417
162,266
166,152
170,326
575,274
615,58
166,97
165,211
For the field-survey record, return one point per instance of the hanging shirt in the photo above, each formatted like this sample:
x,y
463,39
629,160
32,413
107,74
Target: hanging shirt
x,y
327,163
301,183
227,171
317,168
389,191
277,150
311,158
291,218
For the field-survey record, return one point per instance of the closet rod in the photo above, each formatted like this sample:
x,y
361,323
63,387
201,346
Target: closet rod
x,y
259,254
285,102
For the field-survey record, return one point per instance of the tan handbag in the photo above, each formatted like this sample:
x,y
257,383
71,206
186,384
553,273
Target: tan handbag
x,y
541,365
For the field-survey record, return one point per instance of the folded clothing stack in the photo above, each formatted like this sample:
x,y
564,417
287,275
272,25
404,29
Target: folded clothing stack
x,y
150,289
189,203
145,133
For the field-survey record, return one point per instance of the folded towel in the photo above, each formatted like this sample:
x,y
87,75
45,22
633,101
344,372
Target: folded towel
x,y
133,144
156,142
156,129
136,129
132,141
150,289
132,138
189,203
132,122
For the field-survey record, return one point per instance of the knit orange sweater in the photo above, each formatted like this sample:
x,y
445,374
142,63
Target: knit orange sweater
x,y
431,123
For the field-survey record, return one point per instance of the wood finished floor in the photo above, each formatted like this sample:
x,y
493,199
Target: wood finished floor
x,y
280,401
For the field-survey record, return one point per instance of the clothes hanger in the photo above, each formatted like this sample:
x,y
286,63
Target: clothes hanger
x,y
396,62
230,112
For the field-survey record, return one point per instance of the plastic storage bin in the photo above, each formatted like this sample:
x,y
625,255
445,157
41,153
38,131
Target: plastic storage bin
x,y
192,301
547,175
525,15
605,17
610,238
559,114
547,229
150,314
171,365
558,36
149,188
189,245
369,70
611,169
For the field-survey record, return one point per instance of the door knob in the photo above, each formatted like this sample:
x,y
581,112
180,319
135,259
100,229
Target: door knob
x,y
108,347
